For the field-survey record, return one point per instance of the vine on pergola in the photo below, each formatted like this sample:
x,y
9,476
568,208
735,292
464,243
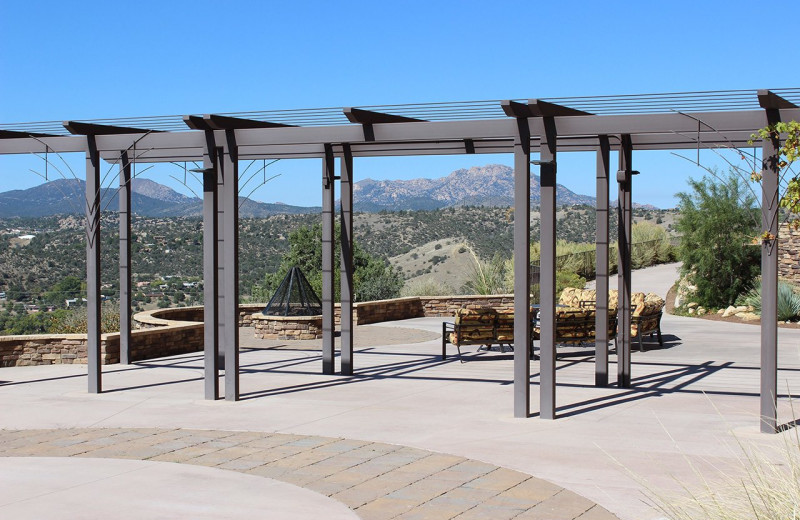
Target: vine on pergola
x,y
788,153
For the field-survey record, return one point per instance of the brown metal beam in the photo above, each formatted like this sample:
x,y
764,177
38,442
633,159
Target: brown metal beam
x,y
368,117
541,108
769,99
14,134
219,122
79,128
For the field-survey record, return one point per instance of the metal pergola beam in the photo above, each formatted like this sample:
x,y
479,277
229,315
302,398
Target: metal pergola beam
x,y
13,134
369,117
703,140
218,122
540,108
79,128
683,126
770,100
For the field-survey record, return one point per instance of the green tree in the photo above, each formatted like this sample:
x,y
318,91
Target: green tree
x,y
69,287
373,278
717,221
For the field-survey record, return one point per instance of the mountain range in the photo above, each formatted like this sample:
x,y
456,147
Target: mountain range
x,y
148,198
491,185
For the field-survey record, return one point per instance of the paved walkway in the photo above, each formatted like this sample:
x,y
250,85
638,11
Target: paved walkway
x,y
378,481
689,405
36,488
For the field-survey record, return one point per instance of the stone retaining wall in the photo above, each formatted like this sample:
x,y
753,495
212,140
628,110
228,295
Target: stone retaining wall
x,y
444,306
42,349
167,332
386,310
163,317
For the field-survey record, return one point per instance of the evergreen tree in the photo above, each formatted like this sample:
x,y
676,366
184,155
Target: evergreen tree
x,y
373,278
717,221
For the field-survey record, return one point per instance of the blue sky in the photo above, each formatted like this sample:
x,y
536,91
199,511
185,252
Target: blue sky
x,y
89,59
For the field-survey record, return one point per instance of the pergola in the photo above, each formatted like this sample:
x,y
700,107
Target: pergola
x,y
696,120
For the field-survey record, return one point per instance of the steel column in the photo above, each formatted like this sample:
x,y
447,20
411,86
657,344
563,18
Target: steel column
x,y
770,200
624,176
124,258
547,276
231,273
221,338
93,266
601,264
346,272
328,327
522,265
210,266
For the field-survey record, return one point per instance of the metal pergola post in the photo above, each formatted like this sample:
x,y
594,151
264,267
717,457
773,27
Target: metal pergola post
x,y
601,263
93,341
328,326
346,270
522,257
124,258
770,205
624,176
221,258
210,269
547,283
231,274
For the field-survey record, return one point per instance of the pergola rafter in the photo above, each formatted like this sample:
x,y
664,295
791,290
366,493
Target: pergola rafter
x,y
675,121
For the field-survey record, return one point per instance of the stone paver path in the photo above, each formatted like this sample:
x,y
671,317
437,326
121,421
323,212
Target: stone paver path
x,y
378,481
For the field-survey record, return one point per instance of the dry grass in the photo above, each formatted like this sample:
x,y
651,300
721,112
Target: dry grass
x,y
764,484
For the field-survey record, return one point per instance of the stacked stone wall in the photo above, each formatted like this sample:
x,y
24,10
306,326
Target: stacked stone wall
x,y
789,253
287,328
168,332
387,310
444,306
39,349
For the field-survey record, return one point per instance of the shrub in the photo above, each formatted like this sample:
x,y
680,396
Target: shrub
x,y
650,245
788,301
426,287
74,321
563,279
487,277
717,219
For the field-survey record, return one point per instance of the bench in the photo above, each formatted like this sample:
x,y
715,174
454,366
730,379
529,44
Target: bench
x,y
646,310
483,326
576,325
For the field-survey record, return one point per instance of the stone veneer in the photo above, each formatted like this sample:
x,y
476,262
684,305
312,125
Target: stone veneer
x,y
167,332
789,253
287,327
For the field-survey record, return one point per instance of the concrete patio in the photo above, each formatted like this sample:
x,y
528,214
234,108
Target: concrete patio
x,y
689,403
